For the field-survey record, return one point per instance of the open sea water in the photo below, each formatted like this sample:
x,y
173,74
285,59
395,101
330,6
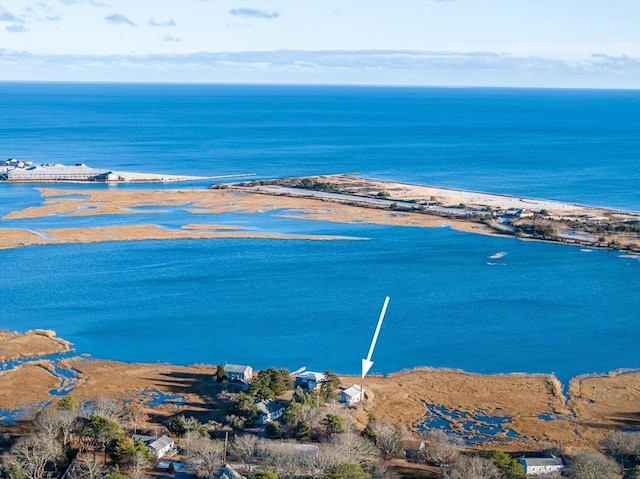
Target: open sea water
x,y
541,308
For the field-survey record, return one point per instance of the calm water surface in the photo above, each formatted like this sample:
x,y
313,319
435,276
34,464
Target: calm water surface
x,y
541,308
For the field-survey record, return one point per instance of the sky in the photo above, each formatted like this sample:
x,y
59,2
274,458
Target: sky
x,y
503,43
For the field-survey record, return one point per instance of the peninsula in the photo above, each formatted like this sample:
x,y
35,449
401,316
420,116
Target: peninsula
x,y
486,213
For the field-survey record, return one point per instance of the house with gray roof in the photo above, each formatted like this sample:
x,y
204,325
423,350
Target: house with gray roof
x,y
160,447
227,472
351,395
268,411
309,380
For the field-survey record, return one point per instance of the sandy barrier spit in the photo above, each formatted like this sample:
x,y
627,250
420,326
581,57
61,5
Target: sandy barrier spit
x,y
352,200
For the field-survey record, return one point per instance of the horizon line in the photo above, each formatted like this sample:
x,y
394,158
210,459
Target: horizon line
x,y
354,85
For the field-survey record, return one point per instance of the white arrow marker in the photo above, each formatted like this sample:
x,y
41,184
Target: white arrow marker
x,y
367,363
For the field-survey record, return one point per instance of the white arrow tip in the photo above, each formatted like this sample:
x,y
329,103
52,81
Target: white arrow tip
x,y
366,365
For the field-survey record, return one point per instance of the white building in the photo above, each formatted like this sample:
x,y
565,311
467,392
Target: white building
x,y
160,447
541,465
238,372
351,395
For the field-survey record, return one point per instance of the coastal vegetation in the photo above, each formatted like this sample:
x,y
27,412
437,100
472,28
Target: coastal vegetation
x,y
316,437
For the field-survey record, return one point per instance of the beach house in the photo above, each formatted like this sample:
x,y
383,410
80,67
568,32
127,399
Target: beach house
x,y
268,411
160,447
351,395
541,465
309,380
238,372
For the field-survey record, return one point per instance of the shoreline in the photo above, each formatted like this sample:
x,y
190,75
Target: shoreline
x,y
536,408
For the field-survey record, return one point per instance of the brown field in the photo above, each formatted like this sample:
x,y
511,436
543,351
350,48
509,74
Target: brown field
x,y
30,344
580,422
598,405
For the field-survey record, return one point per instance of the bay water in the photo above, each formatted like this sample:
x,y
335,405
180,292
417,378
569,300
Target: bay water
x,y
541,308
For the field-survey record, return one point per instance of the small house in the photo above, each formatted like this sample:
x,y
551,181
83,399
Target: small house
x,y
160,447
351,395
238,372
412,449
227,472
541,465
268,411
309,381
524,214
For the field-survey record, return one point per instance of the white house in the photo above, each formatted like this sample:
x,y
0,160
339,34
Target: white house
x,y
160,447
238,372
309,380
541,465
269,410
351,395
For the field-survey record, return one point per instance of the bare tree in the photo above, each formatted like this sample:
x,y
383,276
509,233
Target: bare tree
x,y
472,467
623,444
388,439
205,455
31,454
593,465
139,462
89,470
353,449
440,448
55,423
245,448
135,412
288,462
108,409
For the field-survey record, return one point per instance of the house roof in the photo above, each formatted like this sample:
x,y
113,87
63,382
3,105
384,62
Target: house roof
x,y
268,406
236,368
160,443
310,375
542,461
152,442
142,438
353,391
226,472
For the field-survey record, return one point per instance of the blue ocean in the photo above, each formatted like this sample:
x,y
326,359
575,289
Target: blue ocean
x,y
542,308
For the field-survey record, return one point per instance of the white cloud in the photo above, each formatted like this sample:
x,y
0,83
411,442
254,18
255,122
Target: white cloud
x,y
397,67
169,38
254,13
169,23
7,16
16,29
117,19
